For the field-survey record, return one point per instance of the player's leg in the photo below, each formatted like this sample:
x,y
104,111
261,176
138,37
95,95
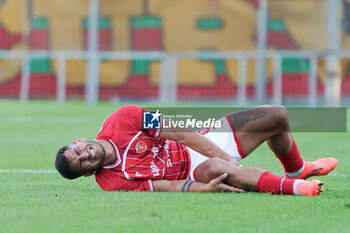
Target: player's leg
x,y
270,123
253,179
265,123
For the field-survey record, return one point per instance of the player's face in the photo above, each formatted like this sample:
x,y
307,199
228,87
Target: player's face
x,y
85,157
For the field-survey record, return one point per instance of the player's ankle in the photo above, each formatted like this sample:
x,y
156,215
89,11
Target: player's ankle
x,y
296,173
295,187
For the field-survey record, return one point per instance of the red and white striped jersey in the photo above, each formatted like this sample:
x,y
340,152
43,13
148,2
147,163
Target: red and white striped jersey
x,y
141,155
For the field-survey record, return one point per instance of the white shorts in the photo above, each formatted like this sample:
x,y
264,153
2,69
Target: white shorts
x,y
225,139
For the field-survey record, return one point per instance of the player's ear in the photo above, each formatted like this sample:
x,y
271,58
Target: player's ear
x,y
90,173
75,141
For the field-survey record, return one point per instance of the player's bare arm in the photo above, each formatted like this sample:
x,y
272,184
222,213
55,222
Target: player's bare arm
x,y
197,142
215,185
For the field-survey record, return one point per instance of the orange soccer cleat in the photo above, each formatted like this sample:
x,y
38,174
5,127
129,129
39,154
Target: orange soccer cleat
x,y
319,167
309,188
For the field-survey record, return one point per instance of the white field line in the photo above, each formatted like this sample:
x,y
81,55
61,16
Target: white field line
x,y
39,171
340,175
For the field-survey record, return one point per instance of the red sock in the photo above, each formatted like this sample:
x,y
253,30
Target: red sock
x,y
270,183
291,162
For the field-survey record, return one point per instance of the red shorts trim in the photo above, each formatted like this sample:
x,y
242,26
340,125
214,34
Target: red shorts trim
x,y
238,143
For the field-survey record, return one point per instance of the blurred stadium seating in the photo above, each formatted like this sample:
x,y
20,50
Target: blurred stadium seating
x,y
166,26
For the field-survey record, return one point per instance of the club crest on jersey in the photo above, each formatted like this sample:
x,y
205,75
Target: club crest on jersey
x,y
141,146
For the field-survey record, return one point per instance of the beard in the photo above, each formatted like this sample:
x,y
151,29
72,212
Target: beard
x,y
103,154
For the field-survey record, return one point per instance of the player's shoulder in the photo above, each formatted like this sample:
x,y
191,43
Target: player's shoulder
x,y
127,117
123,121
129,109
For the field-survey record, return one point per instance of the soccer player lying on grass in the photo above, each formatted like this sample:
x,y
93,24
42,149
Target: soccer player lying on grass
x,y
125,156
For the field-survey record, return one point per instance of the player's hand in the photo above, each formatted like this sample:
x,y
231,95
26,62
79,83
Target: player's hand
x,y
216,185
231,160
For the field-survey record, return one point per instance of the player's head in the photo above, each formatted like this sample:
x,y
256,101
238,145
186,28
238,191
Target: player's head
x,y
83,157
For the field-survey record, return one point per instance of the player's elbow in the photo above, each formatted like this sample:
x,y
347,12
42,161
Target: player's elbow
x,y
181,138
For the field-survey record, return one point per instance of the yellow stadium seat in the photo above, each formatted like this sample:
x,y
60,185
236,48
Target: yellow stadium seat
x,y
10,68
11,15
232,71
190,73
111,72
305,21
180,25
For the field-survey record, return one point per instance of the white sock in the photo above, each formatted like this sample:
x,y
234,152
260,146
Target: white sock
x,y
295,190
294,174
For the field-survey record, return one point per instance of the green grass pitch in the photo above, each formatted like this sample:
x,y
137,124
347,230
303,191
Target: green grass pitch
x,y
31,134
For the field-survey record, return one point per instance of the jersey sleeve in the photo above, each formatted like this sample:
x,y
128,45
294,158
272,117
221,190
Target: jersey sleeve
x,y
128,120
134,115
113,182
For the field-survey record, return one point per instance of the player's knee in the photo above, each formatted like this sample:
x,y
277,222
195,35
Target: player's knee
x,y
215,167
280,116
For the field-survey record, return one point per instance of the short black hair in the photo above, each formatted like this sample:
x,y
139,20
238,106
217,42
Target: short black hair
x,y
62,165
